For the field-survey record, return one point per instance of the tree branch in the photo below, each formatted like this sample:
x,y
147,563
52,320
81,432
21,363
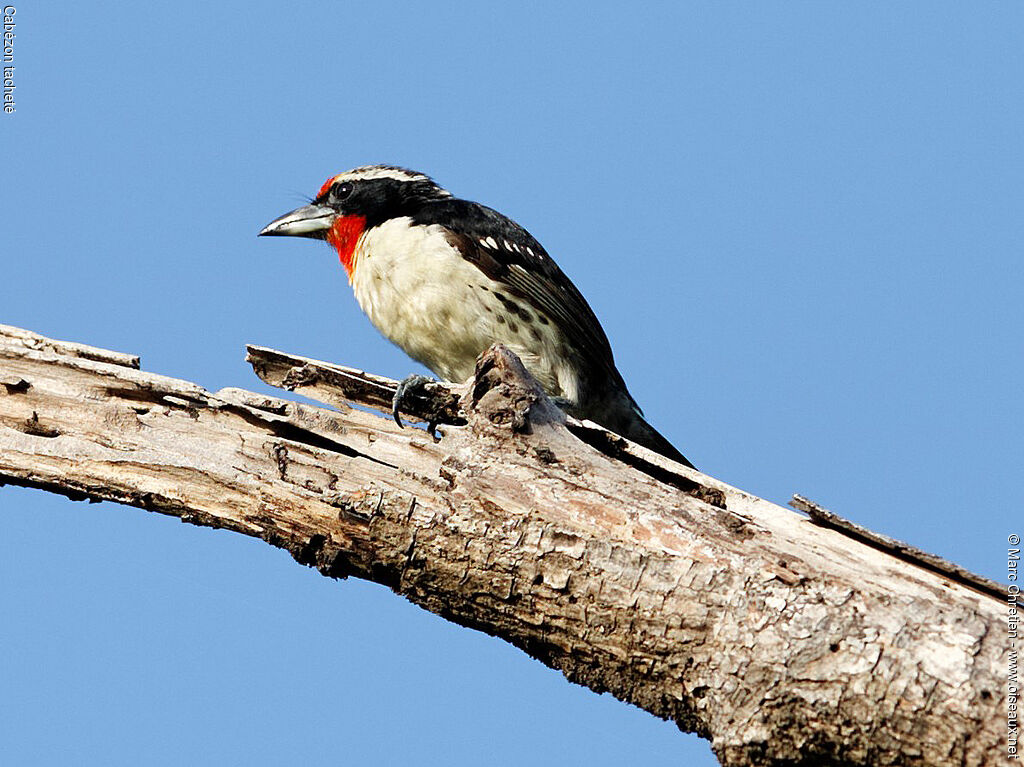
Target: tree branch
x,y
783,641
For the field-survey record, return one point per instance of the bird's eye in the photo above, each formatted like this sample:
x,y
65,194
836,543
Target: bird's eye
x,y
341,191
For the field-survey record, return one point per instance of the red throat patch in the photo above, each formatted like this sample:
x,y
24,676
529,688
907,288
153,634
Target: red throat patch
x,y
343,235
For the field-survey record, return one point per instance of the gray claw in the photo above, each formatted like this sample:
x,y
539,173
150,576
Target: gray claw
x,y
409,384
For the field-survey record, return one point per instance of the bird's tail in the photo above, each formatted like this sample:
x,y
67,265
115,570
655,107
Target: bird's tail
x,y
641,432
617,411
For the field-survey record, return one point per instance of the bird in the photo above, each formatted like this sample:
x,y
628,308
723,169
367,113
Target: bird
x,y
444,278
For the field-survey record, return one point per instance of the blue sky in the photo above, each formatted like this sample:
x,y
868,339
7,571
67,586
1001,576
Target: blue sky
x,y
800,224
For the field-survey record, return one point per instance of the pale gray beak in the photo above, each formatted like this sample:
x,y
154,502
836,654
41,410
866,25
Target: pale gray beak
x,y
307,221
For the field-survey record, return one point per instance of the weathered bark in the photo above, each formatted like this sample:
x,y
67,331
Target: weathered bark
x,y
783,641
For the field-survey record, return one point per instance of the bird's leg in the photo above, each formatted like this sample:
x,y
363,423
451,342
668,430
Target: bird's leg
x,y
413,385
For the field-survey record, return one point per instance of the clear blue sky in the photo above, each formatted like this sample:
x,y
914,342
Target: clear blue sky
x,y
800,224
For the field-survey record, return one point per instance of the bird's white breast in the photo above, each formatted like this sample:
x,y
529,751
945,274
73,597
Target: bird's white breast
x,y
419,292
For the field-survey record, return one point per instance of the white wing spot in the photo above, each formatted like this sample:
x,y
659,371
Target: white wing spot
x,y
491,243
530,251
508,245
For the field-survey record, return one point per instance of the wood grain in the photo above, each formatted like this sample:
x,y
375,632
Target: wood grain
x,y
780,640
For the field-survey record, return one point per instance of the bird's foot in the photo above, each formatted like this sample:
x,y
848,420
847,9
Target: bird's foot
x,y
565,405
413,385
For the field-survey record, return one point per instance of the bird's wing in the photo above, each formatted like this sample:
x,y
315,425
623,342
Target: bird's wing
x,y
510,255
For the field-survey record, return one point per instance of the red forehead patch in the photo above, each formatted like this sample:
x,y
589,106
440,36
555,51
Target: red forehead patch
x,y
325,187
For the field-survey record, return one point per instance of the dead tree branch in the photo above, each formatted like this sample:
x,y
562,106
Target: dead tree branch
x,y
782,640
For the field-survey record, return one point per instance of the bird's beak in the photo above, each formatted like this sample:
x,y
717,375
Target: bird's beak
x,y
307,221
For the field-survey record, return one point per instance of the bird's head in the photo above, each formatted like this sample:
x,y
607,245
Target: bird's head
x,y
353,202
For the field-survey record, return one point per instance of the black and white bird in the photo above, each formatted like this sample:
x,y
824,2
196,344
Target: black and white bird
x,y
444,278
